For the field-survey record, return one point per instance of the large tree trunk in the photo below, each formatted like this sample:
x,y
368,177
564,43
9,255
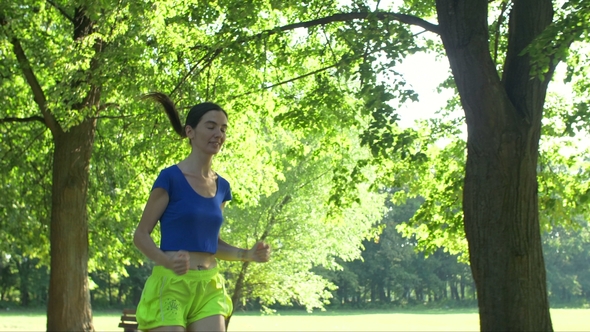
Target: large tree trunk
x,y
68,308
500,200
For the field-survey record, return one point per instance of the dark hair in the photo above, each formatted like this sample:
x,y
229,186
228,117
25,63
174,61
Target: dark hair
x,y
193,117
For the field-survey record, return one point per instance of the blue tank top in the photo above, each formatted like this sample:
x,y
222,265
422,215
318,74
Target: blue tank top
x,y
190,222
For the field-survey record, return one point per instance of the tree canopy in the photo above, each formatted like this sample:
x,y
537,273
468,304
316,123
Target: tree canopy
x,y
311,83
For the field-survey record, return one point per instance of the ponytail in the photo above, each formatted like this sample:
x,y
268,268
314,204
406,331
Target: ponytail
x,y
194,115
170,110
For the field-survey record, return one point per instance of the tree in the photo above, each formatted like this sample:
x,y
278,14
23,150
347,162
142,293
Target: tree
x,y
297,219
502,95
503,115
64,62
503,103
71,67
392,269
567,274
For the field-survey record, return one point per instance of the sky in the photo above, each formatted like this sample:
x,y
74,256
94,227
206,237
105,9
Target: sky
x,y
424,73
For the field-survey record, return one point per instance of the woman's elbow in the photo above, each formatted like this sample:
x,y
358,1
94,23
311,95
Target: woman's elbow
x,y
138,236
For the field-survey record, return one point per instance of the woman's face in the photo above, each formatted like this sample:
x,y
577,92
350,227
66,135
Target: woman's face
x,y
209,135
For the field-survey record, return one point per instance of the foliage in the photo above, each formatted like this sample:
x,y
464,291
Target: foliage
x,y
389,262
566,253
393,272
316,98
134,48
297,217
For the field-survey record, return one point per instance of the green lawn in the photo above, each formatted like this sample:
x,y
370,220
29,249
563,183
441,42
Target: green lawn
x,y
433,320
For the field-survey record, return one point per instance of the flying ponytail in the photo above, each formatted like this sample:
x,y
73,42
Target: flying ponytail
x,y
194,115
170,109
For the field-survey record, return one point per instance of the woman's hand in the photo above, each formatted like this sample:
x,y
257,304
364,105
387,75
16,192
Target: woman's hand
x,y
179,262
260,252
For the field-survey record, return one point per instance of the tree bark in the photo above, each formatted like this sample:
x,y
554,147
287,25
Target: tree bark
x,y
500,200
68,307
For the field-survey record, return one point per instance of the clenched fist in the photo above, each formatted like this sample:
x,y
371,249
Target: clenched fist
x,y
260,252
179,263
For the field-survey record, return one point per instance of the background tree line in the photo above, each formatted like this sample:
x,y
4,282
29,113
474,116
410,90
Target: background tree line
x,y
391,274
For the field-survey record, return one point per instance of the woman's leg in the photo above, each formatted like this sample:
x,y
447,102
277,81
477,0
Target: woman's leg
x,y
211,323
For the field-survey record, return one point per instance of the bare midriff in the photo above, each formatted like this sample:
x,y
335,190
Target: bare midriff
x,y
198,260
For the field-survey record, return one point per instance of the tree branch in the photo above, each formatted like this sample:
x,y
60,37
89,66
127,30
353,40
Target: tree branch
x,y
286,81
212,57
497,32
114,117
528,20
306,74
21,149
29,119
342,17
61,10
107,105
345,17
38,94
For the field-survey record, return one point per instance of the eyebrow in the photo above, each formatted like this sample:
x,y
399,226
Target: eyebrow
x,y
215,123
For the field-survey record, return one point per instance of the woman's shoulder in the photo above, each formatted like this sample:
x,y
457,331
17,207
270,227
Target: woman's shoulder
x,y
222,182
169,174
170,170
223,188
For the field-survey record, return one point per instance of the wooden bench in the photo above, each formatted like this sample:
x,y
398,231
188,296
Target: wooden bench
x,y
128,320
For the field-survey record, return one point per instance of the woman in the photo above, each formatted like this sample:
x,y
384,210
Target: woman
x,y
185,290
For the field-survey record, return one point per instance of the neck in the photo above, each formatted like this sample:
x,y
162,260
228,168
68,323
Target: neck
x,y
198,164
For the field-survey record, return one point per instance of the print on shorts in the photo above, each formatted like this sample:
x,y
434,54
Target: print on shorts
x,y
171,307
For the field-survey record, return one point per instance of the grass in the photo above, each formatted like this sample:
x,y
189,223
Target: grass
x,y
374,320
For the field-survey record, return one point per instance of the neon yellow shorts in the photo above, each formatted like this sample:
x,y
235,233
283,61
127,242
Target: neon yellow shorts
x,y
172,300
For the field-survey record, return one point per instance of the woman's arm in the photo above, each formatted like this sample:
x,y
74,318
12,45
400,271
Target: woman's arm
x,y
260,252
142,239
